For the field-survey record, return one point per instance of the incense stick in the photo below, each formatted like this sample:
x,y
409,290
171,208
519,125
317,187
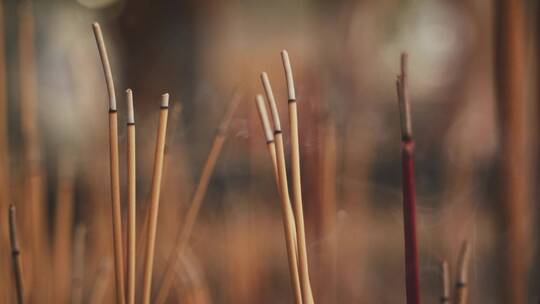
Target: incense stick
x,y
114,167
297,183
154,201
463,266
16,255
287,214
196,201
132,199
445,281
409,192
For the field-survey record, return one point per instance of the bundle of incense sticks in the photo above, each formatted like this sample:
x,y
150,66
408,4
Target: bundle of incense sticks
x,y
409,191
121,296
293,218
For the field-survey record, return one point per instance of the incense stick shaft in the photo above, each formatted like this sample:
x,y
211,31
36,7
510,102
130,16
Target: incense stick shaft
x,y
106,65
445,281
116,209
132,201
461,284
154,202
16,255
196,201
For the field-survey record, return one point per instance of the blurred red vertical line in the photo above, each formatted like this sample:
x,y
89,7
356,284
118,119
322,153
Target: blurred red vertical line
x,y
509,56
34,209
5,293
409,191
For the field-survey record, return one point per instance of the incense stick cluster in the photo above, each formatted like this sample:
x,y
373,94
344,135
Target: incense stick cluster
x,y
460,287
293,218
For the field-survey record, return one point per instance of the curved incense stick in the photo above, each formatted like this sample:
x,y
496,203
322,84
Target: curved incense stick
x,y
114,167
196,201
409,192
154,201
445,280
16,255
463,266
297,183
132,199
283,190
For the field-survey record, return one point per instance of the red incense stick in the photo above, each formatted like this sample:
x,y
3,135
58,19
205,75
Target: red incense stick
x,y
409,192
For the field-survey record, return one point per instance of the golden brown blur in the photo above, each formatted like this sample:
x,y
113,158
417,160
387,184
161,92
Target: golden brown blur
x,y
136,196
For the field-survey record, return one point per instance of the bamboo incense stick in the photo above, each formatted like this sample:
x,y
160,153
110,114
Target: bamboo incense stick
x,y
154,201
196,201
409,192
132,199
287,214
445,280
462,289
114,167
16,256
297,183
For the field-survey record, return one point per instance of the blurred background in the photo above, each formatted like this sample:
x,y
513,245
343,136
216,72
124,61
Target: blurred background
x,y
475,93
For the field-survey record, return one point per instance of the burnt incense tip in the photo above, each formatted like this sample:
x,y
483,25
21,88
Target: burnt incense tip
x,y
130,110
268,134
165,100
95,25
288,75
271,101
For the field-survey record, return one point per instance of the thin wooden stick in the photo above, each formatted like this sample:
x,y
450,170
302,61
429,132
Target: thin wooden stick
x,y
409,192
196,202
445,281
16,256
63,230
462,290
154,201
78,264
114,168
287,214
132,199
307,295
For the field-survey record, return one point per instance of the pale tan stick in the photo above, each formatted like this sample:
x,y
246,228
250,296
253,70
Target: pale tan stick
x,y
297,184
16,256
288,217
196,201
114,168
78,265
132,200
154,200
445,280
63,230
269,136
279,143
462,290
99,290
